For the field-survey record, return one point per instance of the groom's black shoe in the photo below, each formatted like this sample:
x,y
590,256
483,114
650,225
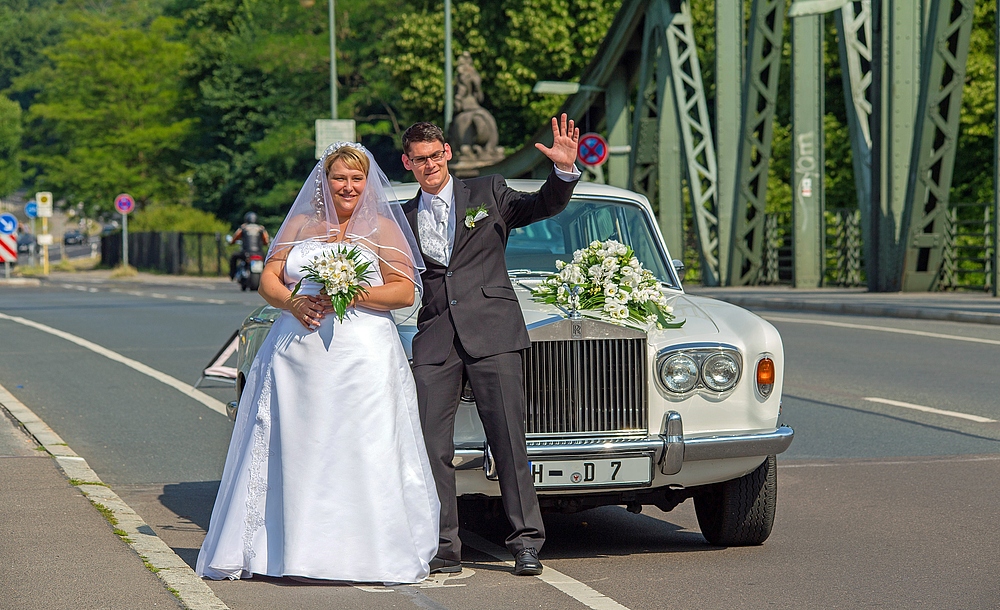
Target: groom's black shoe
x,y
526,563
445,566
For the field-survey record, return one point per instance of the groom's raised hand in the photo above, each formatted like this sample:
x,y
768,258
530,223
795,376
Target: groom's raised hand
x,y
565,139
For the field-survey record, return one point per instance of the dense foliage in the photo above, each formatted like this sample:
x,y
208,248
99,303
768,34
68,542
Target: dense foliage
x,y
211,104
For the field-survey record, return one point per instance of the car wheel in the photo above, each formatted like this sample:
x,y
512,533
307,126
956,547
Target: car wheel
x,y
740,512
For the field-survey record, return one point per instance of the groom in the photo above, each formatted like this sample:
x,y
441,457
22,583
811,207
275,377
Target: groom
x,y
470,323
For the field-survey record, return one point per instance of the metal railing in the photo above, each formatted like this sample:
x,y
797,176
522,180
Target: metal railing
x,y
171,252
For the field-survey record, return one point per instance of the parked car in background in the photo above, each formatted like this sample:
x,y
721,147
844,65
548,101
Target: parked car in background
x,y
26,243
617,415
74,237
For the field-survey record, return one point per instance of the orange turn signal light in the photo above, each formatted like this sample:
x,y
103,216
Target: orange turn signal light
x,y
765,372
765,377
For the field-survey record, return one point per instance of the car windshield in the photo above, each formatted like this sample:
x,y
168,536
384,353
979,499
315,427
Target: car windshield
x,y
539,245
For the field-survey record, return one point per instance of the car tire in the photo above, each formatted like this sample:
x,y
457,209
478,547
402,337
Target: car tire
x,y
740,512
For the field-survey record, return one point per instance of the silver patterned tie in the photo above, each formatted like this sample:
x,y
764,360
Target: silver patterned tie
x,y
434,234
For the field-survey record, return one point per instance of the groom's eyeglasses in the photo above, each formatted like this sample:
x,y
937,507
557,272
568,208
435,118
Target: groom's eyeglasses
x,y
419,162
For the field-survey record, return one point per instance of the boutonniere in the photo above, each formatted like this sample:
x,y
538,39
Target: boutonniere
x,y
475,215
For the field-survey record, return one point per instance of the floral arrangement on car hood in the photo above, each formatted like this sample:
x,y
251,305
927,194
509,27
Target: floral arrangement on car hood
x,y
607,278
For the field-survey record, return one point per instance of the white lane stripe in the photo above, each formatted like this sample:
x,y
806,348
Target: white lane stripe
x,y
153,295
910,405
570,586
173,382
900,331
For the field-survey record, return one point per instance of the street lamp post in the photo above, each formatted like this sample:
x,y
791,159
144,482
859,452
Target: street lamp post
x,y
333,63
448,101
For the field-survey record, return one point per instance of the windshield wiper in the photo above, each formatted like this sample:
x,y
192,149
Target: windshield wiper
x,y
527,273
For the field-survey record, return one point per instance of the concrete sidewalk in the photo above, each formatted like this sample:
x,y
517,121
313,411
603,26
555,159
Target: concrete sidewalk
x,y
56,550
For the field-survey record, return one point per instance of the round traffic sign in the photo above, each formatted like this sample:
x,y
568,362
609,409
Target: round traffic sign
x,y
31,209
124,203
592,149
8,224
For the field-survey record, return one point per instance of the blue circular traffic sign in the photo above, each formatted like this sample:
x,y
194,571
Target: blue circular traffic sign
x,y
8,224
124,203
31,209
592,149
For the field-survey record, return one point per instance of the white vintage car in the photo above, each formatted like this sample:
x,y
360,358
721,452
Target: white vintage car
x,y
619,416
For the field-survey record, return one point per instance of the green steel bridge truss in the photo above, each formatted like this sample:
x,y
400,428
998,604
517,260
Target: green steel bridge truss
x,y
903,71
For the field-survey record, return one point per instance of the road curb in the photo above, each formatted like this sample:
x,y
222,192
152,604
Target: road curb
x,y
20,281
860,309
176,575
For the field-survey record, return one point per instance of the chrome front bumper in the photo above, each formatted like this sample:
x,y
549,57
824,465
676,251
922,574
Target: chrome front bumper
x,y
670,449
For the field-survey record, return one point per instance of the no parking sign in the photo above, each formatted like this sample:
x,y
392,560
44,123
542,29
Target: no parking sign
x,y
592,149
124,203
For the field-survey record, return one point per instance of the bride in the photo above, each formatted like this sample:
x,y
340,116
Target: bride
x,y
327,476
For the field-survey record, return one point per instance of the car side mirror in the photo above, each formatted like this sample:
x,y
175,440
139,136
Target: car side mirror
x,y
679,268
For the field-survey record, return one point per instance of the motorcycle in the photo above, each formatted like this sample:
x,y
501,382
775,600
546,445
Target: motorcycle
x,y
248,269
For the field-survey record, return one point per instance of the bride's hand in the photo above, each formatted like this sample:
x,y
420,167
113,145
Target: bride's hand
x,y
310,309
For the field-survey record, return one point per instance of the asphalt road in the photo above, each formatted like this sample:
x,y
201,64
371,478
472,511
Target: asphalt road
x,y
880,505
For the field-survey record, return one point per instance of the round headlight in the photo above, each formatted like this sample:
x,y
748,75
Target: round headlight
x,y
679,373
720,372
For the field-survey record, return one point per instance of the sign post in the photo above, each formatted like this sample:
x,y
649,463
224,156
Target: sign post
x,y
43,201
31,211
8,241
124,204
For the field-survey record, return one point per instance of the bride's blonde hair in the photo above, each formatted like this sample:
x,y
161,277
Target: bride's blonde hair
x,y
353,158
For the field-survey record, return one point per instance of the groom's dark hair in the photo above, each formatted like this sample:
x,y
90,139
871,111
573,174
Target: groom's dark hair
x,y
421,132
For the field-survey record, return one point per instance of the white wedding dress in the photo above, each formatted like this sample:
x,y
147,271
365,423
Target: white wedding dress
x,y
327,475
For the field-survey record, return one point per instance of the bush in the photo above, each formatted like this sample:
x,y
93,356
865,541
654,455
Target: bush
x,y
180,218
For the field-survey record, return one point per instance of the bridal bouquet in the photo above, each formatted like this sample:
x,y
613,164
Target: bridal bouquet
x,y
342,273
607,278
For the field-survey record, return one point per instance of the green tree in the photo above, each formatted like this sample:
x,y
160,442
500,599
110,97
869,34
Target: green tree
x,y
106,116
27,28
513,44
973,177
10,145
260,78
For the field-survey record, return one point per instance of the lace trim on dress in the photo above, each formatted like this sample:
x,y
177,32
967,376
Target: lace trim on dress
x,y
257,486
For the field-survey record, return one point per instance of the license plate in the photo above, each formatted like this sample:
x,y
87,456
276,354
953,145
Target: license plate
x,y
256,266
603,472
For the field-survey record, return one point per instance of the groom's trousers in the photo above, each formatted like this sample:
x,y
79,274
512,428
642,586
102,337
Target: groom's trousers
x,y
498,385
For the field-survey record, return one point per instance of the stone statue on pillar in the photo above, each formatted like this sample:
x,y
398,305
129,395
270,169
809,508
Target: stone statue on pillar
x,y
473,132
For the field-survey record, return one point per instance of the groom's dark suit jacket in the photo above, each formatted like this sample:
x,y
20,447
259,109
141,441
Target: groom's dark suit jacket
x,y
473,296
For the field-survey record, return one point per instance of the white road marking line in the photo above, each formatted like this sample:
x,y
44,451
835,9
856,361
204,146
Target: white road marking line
x,y
173,382
169,568
900,331
570,586
154,295
910,405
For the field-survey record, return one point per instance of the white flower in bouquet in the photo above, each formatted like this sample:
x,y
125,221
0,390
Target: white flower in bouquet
x,y
342,273
606,278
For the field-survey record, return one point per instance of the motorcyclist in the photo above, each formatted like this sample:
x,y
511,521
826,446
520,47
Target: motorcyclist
x,y
253,238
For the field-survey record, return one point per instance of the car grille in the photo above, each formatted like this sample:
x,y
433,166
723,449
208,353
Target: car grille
x,y
585,387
